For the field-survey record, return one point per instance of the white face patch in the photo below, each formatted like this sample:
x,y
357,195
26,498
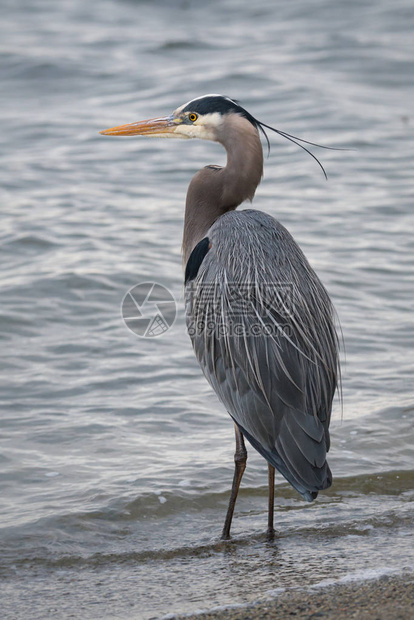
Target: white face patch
x,y
206,127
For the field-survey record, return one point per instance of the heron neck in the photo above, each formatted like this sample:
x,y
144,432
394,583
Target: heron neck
x,y
214,190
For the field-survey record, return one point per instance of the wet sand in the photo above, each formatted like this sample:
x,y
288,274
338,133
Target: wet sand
x,y
387,598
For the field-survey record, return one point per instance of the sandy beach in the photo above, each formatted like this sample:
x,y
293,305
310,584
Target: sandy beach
x,y
387,598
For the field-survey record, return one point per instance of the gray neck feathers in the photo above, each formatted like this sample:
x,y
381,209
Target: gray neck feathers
x,y
214,191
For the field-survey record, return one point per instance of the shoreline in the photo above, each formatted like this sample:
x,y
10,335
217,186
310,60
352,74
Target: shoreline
x,y
384,598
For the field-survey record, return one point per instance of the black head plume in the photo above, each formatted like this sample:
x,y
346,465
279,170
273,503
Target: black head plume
x,y
224,105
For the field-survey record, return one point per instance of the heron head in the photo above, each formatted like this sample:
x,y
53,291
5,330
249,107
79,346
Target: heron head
x,y
209,118
204,117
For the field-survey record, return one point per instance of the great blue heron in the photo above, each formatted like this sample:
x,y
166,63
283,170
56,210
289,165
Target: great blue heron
x,y
260,320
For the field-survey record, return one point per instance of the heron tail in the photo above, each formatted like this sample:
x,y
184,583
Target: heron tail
x,y
287,457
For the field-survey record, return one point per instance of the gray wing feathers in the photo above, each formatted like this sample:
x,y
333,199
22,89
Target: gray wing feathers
x,y
277,375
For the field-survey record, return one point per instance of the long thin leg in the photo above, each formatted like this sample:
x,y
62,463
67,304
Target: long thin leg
x,y
240,458
270,528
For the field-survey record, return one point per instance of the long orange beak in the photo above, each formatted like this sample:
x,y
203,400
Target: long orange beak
x,y
163,127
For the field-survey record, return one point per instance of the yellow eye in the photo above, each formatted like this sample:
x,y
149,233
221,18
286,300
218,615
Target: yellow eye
x,y
193,117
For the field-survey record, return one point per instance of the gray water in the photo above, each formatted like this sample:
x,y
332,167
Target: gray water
x,y
116,457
